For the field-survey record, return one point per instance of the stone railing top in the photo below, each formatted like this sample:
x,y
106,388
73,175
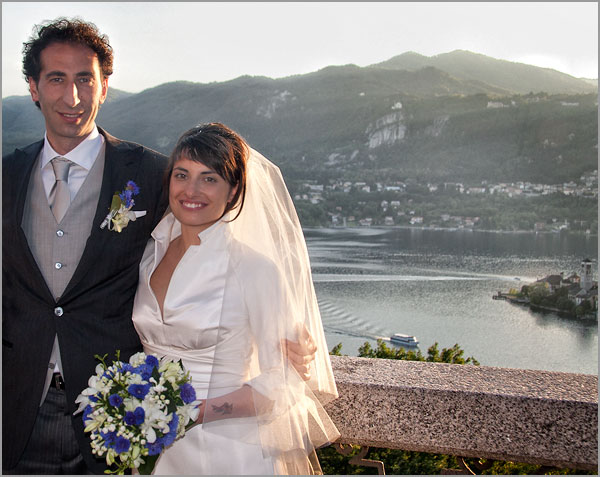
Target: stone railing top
x,y
468,378
538,417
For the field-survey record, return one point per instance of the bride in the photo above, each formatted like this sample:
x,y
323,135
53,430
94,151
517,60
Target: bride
x,y
223,284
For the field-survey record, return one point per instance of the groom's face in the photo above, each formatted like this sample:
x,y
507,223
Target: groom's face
x,y
70,90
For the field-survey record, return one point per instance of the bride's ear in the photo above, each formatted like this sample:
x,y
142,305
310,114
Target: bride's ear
x,y
232,192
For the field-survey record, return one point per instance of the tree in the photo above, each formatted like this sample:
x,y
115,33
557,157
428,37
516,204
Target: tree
x,y
452,355
583,309
537,293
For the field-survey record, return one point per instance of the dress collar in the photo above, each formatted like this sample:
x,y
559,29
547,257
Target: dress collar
x,y
169,228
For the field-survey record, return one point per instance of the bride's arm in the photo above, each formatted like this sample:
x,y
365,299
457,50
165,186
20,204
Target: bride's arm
x,y
243,402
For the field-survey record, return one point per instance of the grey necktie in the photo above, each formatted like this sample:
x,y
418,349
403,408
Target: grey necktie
x,y
60,197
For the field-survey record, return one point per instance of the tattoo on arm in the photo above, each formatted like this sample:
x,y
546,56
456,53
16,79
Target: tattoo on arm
x,y
225,408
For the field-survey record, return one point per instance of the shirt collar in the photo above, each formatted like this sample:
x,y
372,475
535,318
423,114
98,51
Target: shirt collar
x,y
83,155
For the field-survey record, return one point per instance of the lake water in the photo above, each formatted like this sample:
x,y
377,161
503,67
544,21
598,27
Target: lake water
x,y
438,286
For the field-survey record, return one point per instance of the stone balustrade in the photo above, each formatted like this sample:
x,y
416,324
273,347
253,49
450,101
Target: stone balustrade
x,y
537,417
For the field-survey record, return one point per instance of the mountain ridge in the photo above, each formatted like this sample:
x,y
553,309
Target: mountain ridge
x,y
349,120
515,76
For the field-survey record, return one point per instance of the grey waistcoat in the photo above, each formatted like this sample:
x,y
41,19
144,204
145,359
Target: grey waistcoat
x,y
57,248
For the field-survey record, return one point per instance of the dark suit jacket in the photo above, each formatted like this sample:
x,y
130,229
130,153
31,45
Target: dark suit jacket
x,y
97,302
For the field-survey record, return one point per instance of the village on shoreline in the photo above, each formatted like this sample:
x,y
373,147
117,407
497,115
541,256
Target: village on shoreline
x,y
573,295
515,207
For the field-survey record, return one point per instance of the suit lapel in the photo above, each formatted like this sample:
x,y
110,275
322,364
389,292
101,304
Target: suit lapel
x,y
121,164
27,158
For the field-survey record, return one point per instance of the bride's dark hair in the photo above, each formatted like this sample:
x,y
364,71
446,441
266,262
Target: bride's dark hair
x,y
219,148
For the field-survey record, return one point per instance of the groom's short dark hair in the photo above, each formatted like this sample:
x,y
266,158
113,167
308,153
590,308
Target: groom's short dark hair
x,y
64,30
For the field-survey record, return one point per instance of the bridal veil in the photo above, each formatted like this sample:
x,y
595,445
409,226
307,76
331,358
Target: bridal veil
x,y
282,304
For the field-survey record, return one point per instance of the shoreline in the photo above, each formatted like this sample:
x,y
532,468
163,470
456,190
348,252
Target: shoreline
x,y
449,229
542,309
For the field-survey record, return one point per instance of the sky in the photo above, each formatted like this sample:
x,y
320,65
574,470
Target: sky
x,y
159,42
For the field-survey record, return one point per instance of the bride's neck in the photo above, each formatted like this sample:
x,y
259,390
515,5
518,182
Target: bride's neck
x,y
189,237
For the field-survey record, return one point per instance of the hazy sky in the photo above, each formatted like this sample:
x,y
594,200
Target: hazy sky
x,y
158,42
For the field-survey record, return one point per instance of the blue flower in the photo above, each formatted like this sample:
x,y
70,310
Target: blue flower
x,y
152,361
127,198
122,444
174,423
139,390
108,374
86,412
169,438
94,398
127,367
133,187
136,417
115,400
187,393
109,438
144,370
155,447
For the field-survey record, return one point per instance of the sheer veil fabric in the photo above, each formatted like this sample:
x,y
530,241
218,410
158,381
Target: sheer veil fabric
x,y
290,421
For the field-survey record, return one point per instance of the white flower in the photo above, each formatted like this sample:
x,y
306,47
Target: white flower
x,y
171,372
83,401
137,359
135,378
188,413
155,418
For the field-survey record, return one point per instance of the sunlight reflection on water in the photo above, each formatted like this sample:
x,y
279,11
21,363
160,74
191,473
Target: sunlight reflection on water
x,y
439,288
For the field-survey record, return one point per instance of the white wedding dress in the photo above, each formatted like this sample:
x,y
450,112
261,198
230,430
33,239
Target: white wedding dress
x,y
207,299
230,302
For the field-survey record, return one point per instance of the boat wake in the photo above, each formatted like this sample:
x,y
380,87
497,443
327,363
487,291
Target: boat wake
x,y
330,277
338,321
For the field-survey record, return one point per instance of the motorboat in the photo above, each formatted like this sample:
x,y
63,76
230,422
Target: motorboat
x,y
406,340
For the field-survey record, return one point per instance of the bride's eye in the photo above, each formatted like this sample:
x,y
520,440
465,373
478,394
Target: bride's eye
x,y
179,175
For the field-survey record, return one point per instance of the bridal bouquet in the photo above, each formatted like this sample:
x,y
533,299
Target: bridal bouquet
x,y
134,410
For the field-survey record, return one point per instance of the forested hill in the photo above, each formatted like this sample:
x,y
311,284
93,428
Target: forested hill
x,y
456,117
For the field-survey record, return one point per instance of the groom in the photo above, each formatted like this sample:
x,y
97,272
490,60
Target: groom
x,y
68,284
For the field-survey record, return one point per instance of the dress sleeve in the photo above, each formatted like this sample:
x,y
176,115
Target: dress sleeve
x,y
293,422
270,321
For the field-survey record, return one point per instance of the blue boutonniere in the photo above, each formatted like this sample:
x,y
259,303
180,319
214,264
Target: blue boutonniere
x,y
120,209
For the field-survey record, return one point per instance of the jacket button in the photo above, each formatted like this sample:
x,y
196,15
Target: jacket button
x,y
58,311
60,233
58,265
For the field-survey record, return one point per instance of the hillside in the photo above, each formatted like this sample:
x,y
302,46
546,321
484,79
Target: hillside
x,y
422,121
515,77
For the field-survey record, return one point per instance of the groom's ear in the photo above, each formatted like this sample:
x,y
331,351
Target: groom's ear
x,y
33,90
104,91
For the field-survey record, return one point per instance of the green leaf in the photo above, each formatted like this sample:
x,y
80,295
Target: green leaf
x,y
148,466
116,202
156,374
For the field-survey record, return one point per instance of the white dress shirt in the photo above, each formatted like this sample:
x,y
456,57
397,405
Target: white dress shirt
x,y
83,158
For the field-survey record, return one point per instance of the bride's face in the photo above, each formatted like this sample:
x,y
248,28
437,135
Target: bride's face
x,y
197,194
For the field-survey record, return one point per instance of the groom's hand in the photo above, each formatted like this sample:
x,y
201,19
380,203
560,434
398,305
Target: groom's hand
x,y
301,353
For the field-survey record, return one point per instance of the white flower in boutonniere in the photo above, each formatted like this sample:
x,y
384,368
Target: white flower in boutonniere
x,y
120,209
